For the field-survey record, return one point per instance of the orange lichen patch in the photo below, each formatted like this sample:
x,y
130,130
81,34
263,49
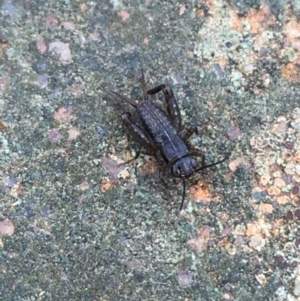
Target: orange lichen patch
x,y
264,179
258,19
291,72
199,12
292,29
278,182
273,190
252,229
105,185
258,228
201,193
266,208
282,200
198,244
236,21
149,167
221,60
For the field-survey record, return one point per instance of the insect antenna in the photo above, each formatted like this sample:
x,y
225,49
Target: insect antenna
x,y
210,165
183,192
125,99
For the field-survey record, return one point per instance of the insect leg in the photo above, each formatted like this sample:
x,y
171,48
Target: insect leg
x,y
170,104
187,132
197,153
138,134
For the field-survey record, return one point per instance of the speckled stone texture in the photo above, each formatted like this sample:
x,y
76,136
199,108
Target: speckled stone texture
x,y
76,223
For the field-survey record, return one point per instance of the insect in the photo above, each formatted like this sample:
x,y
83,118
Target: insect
x,y
160,133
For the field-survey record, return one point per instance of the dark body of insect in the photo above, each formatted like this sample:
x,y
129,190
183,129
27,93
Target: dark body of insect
x,y
161,134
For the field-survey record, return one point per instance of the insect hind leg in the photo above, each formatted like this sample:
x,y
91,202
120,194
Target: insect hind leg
x,y
138,134
170,104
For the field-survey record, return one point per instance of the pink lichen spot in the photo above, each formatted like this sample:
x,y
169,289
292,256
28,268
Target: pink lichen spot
x,y
288,145
51,21
185,278
7,228
289,216
62,50
198,244
297,214
205,232
182,10
257,242
133,264
73,134
68,25
41,45
288,179
281,127
4,81
54,135
295,190
113,168
63,113
234,133
234,164
227,230
227,296
125,16
239,240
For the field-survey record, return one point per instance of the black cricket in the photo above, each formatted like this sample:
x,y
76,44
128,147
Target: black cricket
x,y
161,133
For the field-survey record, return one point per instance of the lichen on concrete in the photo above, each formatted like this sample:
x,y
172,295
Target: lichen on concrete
x,y
77,225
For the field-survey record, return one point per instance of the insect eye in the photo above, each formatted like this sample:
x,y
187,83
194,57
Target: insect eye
x,y
176,171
